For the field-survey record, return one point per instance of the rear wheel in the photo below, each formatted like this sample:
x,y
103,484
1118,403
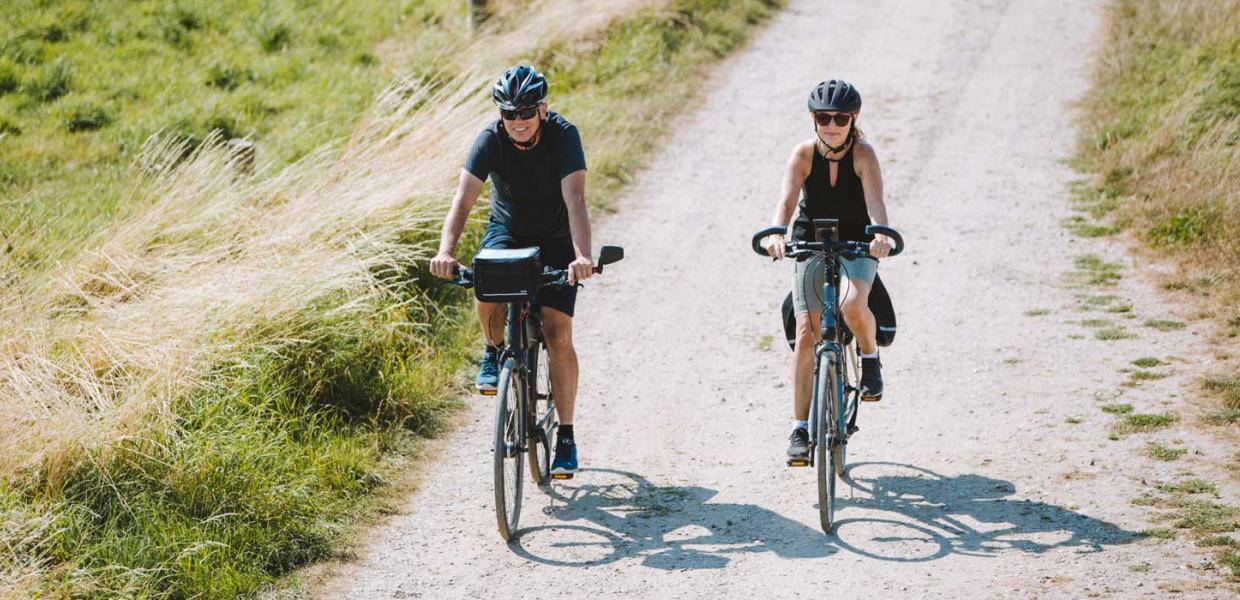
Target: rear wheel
x,y
542,417
826,452
507,451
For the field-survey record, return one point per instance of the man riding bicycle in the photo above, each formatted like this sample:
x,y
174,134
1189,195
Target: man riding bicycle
x,y
836,176
537,169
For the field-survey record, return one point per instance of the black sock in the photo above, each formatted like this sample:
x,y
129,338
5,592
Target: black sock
x,y
565,432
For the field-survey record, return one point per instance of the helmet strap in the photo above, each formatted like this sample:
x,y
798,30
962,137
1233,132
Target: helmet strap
x,y
834,149
533,140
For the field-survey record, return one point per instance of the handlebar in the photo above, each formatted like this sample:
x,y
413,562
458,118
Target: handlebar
x,y
853,249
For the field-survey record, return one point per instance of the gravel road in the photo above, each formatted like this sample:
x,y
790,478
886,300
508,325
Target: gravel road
x,y
986,471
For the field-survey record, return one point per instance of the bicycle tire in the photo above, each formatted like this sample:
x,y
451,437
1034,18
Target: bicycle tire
x,y
824,447
541,403
507,457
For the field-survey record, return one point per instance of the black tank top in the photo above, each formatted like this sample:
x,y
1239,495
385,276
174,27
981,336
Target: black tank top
x,y
845,201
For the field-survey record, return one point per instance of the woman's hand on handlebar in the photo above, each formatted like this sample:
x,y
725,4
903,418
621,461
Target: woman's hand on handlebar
x,y
775,245
443,265
881,246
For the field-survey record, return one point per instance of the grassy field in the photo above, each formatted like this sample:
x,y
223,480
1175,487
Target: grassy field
x,y
208,380
1162,139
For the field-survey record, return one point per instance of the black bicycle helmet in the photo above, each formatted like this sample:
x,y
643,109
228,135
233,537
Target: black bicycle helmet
x,y
519,87
835,95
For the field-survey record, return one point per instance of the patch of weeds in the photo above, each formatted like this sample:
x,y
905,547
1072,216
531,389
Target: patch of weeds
x,y
1163,453
1223,417
1145,375
1162,325
1095,271
1146,362
273,36
1161,533
1192,486
1215,541
1095,322
1142,422
1100,300
1184,228
1110,334
1231,560
1228,386
1120,308
1116,409
1140,568
228,77
1090,230
1208,517
1075,336
1037,312
1074,420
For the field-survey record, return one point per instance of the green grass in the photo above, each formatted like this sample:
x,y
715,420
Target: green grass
x,y
1116,409
1192,486
1145,375
1161,138
293,444
1143,422
89,82
1146,362
1110,334
1160,533
1095,322
1163,453
1163,325
1037,312
1092,270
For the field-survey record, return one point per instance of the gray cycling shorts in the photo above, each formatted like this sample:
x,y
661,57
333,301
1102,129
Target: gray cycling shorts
x,y
808,277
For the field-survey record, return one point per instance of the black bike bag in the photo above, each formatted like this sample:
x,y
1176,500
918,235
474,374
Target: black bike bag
x,y
507,275
880,305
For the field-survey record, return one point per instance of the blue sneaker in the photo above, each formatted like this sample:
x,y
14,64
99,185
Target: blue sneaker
x,y
565,463
488,372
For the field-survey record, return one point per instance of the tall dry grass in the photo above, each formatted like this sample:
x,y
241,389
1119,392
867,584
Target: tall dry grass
x,y
220,267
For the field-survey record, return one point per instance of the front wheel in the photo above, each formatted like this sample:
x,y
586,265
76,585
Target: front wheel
x,y
828,443
507,451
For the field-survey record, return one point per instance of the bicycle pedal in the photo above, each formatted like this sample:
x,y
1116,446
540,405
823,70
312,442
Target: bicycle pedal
x,y
871,398
798,462
561,476
487,392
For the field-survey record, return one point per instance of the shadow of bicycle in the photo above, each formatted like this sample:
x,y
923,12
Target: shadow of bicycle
x,y
620,514
886,511
923,515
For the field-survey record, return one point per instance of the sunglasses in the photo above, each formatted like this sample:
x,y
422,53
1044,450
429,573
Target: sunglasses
x,y
841,119
519,115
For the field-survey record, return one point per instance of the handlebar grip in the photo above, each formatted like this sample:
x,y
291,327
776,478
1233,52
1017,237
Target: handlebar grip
x,y
758,237
889,232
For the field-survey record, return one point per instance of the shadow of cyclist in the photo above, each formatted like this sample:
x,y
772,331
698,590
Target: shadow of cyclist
x,y
621,515
933,515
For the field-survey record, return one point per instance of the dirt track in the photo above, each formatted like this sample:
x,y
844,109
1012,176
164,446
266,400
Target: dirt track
x,y
967,480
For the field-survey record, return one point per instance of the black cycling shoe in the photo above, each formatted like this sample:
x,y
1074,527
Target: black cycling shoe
x,y
871,380
798,448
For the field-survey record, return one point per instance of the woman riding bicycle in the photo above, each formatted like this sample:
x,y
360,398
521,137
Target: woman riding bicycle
x,y
835,175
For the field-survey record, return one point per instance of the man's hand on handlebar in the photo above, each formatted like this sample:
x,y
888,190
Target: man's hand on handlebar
x,y
580,269
443,265
775,246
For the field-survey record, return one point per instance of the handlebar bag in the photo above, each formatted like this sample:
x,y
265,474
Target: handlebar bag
x,y
880,305
503,275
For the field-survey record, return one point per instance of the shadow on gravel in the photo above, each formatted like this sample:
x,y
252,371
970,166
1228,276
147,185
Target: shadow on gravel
x,y
621,515
931,516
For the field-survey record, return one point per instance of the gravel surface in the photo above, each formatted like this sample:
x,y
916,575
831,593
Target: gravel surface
x,y
986,471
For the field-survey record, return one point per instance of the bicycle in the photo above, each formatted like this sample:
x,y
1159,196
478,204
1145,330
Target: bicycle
x,y
514,277
833,421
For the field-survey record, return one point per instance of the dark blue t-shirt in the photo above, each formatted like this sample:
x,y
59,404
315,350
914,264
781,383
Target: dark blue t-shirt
x,y
525,184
